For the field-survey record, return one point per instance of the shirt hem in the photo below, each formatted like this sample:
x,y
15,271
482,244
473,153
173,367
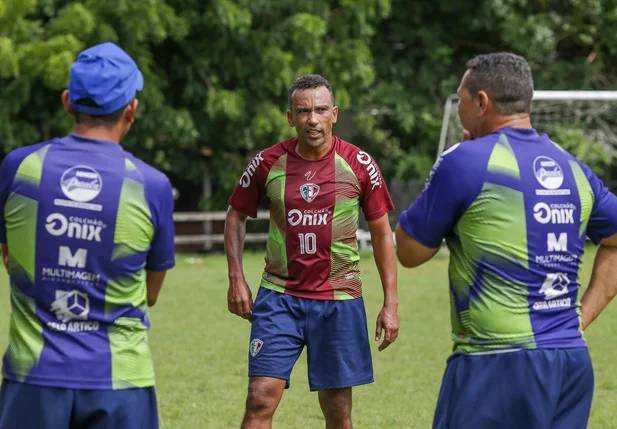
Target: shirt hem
x,y
331,296
83,385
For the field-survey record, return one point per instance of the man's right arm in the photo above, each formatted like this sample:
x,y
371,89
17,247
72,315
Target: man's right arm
x,y
603,285
239,297
602,230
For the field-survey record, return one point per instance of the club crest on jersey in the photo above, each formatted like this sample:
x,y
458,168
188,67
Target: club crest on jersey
x,y
255,346
309,191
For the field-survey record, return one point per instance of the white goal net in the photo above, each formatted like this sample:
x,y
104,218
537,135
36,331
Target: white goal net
x,y
583,122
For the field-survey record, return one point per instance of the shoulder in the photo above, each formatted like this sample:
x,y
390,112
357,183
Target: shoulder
x,y
365,167
466,155
465,160
152,177
16,156
262,162
351,153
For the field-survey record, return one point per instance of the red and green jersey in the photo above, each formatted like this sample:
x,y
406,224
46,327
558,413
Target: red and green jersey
x,y
312,250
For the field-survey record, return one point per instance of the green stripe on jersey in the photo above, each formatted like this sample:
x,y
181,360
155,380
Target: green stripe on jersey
x,y
585,194
31,168
276,248
131,359
499,307
20,216
25,335
503,160
134,230
344,254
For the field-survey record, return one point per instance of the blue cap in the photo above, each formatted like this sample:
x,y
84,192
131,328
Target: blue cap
x,y
107,75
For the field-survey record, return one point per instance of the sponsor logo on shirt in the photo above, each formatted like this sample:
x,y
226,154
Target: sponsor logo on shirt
x,y
245,180
309,191
255,346
555,285
80,184
309,217
371,168
70,259
550,175
81,228
554,213
69,306
554,244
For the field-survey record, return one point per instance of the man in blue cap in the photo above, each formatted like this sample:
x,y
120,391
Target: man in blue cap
x,y
87,236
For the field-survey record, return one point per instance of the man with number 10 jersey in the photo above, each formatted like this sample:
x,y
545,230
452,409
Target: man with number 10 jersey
x,y
311,292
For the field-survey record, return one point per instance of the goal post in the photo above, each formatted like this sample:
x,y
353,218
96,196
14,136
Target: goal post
x,y
589,117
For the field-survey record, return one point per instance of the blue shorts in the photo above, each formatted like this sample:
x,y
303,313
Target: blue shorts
x,y
539,389
26,406
334,332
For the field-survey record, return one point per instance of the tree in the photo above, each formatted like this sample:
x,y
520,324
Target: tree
x,y
421,50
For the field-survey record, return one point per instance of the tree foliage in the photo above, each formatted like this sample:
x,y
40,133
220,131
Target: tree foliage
x,y
217,71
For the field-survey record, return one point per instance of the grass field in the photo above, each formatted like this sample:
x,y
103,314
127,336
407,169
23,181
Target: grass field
x,y
200,352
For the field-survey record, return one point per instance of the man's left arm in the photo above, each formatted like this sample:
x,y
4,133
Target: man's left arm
x,y
376,203
161,256
424,225
385,259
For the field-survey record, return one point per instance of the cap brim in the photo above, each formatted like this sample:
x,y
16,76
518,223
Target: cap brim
x,y
139,85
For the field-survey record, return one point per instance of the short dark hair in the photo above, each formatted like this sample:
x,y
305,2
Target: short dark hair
x,y
309,81
96,120
505,77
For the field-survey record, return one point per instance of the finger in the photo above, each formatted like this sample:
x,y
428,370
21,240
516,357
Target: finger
x,y
230,303
246,309
467,135
387,340
378,329
384,345
394,335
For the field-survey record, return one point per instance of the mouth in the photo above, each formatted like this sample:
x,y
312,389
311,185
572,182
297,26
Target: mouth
x,y
313,133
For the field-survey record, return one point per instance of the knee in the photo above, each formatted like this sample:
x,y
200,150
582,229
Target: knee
x,y
262,399
336,407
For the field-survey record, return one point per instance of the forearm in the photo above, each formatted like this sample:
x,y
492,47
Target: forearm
x,y
385,259
235,232
154,283
602,287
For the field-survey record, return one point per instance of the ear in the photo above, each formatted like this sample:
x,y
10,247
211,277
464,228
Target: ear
x,y
131,110
484,103
66,103
334,114
290,119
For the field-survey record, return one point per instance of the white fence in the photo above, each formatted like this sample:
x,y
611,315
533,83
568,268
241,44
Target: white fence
x,y
207,239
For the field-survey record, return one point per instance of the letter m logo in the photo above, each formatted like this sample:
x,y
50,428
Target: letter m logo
x,y
67,259
555,244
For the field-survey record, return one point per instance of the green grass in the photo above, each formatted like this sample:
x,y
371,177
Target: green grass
x,y
200,352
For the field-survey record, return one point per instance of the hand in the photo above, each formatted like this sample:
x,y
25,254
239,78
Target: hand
x,y
467,135
387,321
240,299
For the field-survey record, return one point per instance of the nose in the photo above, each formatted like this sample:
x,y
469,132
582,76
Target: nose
x,y
312,119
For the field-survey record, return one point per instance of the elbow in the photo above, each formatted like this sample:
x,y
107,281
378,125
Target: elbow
x,y
407,260
407,263
152,301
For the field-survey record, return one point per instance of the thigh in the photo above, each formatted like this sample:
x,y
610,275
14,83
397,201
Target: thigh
x,y
277,334
507,390
577,387
29,406
338,347
115,409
